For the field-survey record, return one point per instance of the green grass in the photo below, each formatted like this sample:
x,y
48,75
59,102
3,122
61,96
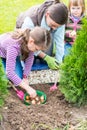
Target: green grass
x,y
10,9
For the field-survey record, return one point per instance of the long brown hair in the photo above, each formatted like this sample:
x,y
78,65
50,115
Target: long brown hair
x,y
40,35
22,36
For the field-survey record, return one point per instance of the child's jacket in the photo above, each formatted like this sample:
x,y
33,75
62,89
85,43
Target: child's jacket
x,y
72,25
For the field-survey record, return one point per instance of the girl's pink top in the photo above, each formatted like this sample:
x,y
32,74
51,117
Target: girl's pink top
x,y
10,50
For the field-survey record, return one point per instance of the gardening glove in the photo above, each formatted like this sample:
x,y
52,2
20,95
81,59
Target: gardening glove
x,y
52,62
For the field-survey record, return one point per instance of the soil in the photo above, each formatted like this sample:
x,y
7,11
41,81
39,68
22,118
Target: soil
x,y
55,113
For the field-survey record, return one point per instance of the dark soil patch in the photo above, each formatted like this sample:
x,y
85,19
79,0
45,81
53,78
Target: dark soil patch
x,y
55,113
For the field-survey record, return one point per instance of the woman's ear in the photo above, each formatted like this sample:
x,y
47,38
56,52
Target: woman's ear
x,y
47,13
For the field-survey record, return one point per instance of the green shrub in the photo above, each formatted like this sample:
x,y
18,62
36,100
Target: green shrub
x,y
73,79
3,85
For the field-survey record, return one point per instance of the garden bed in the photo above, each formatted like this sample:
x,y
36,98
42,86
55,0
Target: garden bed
x,y
56,112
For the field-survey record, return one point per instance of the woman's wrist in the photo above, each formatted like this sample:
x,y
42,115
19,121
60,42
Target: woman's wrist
x,y
42,55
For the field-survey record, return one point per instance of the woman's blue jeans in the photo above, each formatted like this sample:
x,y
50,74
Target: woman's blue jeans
x,y
67,48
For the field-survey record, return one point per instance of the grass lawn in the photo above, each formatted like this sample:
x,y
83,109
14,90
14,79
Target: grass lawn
x,y
10,9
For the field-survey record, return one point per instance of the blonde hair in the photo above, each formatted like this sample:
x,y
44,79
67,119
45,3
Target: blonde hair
x,y
76,3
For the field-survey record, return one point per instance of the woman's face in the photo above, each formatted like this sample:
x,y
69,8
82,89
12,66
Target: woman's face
x,y
76,11
52,24
32,46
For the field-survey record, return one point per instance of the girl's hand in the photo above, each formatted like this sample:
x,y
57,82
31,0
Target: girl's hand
x,y
72,34
29,89
32,92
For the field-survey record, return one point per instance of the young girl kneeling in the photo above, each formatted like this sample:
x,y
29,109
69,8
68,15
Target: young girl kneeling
x,y
18,46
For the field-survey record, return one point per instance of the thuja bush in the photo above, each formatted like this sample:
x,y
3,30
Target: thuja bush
x,y
3,85
73,71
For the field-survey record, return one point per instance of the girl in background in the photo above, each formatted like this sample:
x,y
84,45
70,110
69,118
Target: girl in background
x,y
21,45
76,13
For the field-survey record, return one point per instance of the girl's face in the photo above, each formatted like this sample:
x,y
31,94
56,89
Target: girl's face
x,y
52,24
76,10
32,46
